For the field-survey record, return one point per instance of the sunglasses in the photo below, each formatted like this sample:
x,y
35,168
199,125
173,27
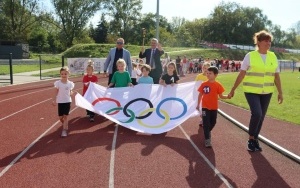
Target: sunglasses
x,y
120,43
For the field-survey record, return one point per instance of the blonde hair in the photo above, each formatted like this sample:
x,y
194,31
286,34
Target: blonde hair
x,y
90,64
206,64
65,68
121,62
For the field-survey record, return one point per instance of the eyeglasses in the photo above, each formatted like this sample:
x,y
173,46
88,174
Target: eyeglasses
x,y
120,43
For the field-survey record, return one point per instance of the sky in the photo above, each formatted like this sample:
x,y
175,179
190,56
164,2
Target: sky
x,y
284,13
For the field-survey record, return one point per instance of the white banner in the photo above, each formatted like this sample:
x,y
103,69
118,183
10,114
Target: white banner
x,y
78,65
144,108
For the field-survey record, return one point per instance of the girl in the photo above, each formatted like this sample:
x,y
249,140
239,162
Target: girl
x,y
135,73
89,77
63,92
121,78
171,77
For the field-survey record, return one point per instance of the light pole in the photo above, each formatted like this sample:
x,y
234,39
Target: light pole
x,y
157,20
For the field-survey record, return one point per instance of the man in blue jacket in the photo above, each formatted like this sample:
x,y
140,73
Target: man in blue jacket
x,y
114,54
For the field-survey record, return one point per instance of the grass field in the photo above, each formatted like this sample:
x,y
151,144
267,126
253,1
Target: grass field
x,y
286,111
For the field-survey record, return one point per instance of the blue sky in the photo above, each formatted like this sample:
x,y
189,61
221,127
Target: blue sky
x,y
283,13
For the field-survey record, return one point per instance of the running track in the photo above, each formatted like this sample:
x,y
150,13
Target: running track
x,y
102,154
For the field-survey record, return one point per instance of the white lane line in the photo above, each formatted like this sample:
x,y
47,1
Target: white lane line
x,y
22,88
112,159
217,172
28,147
24,95
23,109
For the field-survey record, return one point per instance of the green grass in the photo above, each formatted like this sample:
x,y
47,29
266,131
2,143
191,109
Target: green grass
x,y
291,96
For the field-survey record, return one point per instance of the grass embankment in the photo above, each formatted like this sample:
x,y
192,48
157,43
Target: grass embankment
x,y
286,111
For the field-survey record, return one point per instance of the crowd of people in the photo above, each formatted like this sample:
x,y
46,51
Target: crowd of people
x,y
259,73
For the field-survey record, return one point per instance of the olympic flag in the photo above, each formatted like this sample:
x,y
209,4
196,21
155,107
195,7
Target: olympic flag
x,y
146,108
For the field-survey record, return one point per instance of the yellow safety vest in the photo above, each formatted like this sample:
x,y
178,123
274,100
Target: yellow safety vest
x,y
260,76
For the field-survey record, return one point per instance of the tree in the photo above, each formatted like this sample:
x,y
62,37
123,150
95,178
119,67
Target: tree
x,y
231,23
73,16
101,31
17,18
124,15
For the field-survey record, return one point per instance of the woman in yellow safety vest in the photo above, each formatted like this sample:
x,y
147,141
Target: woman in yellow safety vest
x,y
259,73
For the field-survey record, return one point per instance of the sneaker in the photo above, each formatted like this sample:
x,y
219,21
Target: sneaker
x,y
64,133
256,145
251,145
208,143
92,120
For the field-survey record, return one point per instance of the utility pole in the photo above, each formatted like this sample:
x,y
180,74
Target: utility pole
x,y
157,20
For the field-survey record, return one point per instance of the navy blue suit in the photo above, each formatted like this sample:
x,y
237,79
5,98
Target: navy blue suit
x,y
157,72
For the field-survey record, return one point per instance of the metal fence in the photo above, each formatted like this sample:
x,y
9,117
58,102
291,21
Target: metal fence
x,y
6,64
245,47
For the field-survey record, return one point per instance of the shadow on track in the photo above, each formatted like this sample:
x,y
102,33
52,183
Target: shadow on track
x,y
267,176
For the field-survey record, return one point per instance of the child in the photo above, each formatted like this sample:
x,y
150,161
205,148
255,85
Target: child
x,y
121,78
171,77
135,73
202,76
63,98
208,95
89,77
145,79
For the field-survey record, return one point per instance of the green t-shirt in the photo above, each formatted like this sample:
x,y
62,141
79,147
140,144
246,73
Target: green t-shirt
x,y
121,79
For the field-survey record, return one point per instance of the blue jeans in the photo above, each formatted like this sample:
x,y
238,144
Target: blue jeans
x,y
258,104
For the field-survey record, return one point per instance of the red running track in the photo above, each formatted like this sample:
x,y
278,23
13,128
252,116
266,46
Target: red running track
x,y
102,154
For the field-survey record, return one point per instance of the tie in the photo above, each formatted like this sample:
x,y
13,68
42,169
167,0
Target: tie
x,y
152,63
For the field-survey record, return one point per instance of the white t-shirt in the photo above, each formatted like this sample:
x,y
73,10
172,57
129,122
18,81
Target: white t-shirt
x,y
246,62
135,73
64,89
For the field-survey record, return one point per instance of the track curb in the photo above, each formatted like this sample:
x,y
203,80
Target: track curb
x,y
273,145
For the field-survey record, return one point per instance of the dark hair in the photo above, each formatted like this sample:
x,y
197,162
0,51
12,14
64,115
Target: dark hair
x,y
213,69
146,67
175,68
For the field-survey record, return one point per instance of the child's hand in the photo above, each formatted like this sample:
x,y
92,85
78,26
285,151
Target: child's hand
x,y
130,84
53,103
172,84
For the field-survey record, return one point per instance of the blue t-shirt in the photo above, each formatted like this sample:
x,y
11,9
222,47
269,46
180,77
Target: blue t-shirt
x,y
145,80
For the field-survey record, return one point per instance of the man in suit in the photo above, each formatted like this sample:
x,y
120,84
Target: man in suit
x,y
152,56
114,55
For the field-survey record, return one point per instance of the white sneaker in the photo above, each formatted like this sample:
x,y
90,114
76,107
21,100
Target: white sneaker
x,y
207,143
64,133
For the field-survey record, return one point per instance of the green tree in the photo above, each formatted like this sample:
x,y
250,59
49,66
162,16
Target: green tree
x,y
124,15
101,31
231,23
17,18
73,16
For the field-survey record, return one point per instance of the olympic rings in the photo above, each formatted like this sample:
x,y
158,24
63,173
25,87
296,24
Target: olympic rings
x,y
167,118
138,99
146,113
175,99
120,108
108,99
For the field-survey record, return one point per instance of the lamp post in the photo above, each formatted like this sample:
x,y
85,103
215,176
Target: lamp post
x,y
157,20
